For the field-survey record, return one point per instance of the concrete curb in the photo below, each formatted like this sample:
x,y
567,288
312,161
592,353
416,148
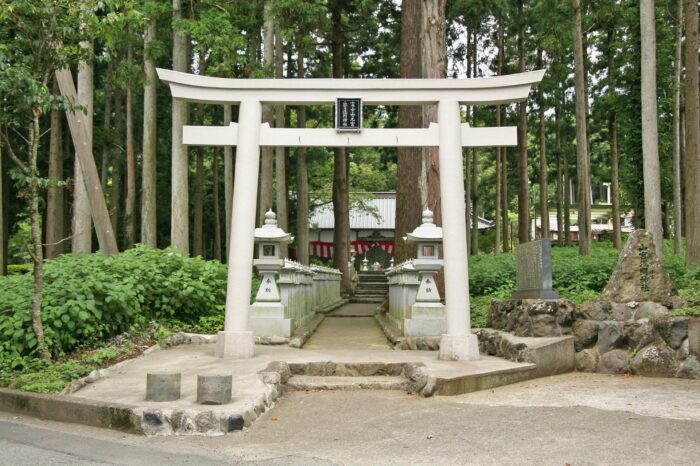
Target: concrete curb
x,y
427,343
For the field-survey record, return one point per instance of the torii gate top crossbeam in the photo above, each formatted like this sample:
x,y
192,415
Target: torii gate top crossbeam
x,y
475,91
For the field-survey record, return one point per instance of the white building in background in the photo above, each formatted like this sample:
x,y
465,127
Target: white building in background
x,y
372,225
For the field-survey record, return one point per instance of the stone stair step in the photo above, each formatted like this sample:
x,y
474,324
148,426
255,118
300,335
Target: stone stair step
x,y
367,300
315,382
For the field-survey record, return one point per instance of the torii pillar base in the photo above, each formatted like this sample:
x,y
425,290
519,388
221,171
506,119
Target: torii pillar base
x,y
235,345
459,348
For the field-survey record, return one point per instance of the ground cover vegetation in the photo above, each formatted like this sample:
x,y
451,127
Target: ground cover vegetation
x,y
614,107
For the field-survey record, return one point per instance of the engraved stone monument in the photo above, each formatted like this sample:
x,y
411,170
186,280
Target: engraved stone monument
x,y
534,270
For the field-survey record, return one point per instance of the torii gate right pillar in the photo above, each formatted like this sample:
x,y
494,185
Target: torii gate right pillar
x,y
458,343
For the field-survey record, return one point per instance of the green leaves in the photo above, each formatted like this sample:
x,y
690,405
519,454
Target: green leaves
x,y
90,298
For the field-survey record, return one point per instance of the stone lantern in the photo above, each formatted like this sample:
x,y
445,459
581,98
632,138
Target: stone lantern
x,y
268,313
427,313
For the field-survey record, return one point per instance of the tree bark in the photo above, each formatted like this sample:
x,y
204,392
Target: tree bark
x,y
130,206
582,156
266,161
3,225
677,182
544,194
692,128
82,222
198,224
82,140
115,189
434,65
650,131
341,182
505,221
106,127
408,198
474,186
228,181
217,214
614,154
302,237
179,207
54,195
148,177
560,192
523,192
280,156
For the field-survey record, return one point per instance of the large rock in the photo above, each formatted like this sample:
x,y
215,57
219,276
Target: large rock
x,y
595,310
649,310
673,330
638,334
532,317
585,333
639,274
655,360
587,360
614,362
689,369
610,336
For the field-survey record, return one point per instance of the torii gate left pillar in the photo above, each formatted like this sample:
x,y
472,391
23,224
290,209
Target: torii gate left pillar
x,y
237,341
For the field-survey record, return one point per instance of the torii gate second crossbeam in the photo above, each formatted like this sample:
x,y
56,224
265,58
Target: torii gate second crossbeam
x,y
449,134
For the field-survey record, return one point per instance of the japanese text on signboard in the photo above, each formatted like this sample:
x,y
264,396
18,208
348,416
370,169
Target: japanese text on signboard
x,y
348,114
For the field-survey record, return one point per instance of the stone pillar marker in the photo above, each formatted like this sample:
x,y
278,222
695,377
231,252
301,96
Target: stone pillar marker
x,y
237,341
458,343
534,270
163,386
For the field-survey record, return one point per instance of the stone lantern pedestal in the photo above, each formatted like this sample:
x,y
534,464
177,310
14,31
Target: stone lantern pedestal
x,y
268,315
427,315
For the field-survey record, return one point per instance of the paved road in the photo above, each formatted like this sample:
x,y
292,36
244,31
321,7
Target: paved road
x,y
575,419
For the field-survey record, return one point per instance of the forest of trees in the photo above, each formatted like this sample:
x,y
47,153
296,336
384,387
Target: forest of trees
x,y
107,169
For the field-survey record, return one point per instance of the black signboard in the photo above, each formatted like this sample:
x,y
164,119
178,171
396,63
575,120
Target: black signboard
x,y
348,115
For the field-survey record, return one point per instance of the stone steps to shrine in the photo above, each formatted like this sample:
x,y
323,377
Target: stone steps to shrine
x,y
316,382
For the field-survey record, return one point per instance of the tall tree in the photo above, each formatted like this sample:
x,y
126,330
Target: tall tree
x,y
130,204
341,182
82,222
677,182
474,185
582,155
179,217
228,181
408,198
3,254
302,238
148,177
434,66
614,152
544,196
198,204
266,161
505,220
280,156
650,131
54,195
692,128
217,214
523,196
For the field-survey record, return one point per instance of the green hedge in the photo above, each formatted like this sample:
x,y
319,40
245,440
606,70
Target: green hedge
x,y
89,298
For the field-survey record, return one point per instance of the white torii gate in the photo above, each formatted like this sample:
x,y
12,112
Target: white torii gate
x,y
449,134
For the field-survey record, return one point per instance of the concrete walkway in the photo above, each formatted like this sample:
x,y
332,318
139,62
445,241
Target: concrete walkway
x,y
347,328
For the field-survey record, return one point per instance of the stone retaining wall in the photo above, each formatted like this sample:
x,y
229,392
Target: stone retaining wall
x,y
640,338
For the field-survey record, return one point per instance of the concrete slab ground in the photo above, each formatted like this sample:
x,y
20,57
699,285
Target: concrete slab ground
x,y
541,422
127,385
355,310
348,333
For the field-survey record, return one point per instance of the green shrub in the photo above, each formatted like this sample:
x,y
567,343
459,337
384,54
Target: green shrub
x,y
89,298
19,269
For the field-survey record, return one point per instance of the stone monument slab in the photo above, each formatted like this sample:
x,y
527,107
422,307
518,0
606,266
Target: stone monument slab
x,y
534,270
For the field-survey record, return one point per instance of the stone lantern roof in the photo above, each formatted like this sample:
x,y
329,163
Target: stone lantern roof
x,y
270,231
428,231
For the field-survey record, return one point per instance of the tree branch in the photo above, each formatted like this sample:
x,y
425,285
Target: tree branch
x,y
22,166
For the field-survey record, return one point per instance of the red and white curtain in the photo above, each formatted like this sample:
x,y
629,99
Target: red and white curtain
x,y
324,250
